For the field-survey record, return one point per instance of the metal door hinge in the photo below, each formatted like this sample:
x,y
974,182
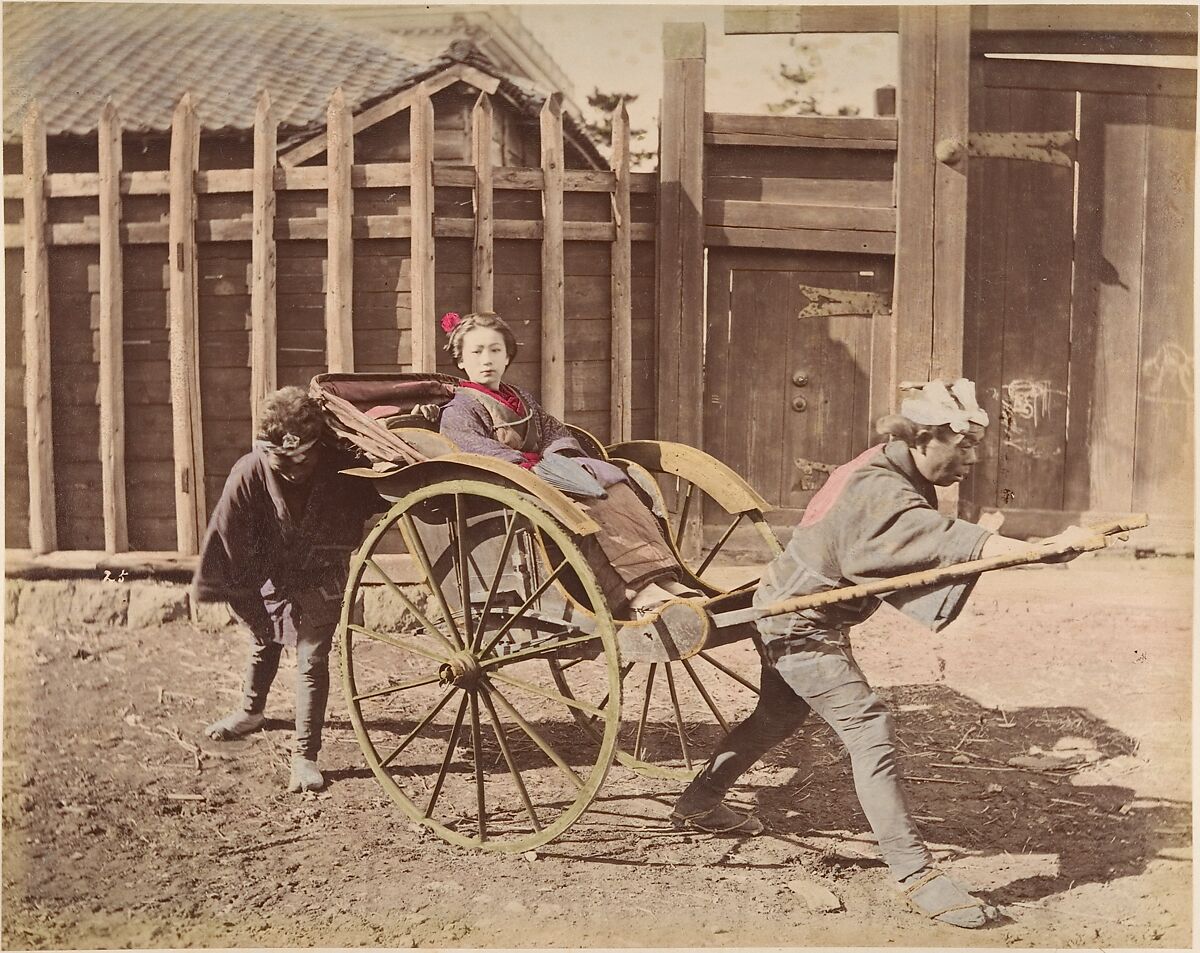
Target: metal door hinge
x,y
813,474
824,302
1054,148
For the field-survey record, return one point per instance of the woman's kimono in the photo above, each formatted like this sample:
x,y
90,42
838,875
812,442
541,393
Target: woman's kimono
x,y
628,552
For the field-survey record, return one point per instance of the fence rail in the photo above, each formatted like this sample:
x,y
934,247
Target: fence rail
x,y
268,204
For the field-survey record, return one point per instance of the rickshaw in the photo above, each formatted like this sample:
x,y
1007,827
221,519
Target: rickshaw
x,y
483,671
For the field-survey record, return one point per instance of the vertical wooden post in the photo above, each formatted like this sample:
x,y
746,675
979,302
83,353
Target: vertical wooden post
x,y
483,262
621,425
680,361
912,301
190,511
43,521
339,328
424,330
263,368
112,336
952,90
554,349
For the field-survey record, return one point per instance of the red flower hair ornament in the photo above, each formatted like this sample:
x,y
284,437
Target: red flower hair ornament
x,y
450,320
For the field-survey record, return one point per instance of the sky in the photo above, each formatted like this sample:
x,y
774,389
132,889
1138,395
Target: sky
x,y
618,48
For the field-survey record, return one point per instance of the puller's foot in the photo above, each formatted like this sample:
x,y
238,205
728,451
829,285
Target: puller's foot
x,y
235,725
306,776
937,895
718,820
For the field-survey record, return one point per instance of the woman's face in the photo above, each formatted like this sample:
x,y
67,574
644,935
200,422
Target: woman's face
x,y
484,356
944,461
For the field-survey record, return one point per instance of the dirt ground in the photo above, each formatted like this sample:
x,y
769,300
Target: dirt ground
x,y
122,827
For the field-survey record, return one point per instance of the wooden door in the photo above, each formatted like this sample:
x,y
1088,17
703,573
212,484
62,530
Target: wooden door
x,y
1079,305
788,397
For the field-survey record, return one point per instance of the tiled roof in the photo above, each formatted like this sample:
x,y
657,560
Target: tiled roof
x,y
71,57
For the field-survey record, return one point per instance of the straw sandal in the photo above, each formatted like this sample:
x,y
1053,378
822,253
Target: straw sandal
x,y
233,726
718,820
954,906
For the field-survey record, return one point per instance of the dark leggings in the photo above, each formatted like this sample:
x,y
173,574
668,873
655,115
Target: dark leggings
x,y
823,677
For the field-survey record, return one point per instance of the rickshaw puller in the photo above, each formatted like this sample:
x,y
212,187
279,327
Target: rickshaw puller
x,y
875,518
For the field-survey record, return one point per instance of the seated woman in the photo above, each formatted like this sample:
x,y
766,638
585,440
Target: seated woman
x,y
633,564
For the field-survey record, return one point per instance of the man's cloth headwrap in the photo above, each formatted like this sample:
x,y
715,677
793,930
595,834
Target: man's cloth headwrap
x,y
940,402
290,446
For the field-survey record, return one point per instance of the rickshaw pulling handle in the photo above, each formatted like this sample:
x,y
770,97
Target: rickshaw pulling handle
x,y
932,577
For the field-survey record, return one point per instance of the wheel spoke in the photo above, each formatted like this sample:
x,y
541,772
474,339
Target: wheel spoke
x,y
720,543
396,642
477,636
683,514
429,716
499,661
476,744
417,548
537,739
420,616
712,706
403,686
437,787
593,710
511,620
637,741
687,758
728,671
462,567
498,728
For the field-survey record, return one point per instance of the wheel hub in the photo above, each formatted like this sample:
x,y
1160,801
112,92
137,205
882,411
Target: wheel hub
x,y
461,669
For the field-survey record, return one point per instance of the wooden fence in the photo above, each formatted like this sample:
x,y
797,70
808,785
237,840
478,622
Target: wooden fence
x,y
155,307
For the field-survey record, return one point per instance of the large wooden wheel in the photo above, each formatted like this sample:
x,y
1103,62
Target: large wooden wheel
x,y
673,712
456,711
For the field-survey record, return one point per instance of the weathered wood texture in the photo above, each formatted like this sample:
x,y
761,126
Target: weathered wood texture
x,y
255,242
112,336
484,260
339,335
622,294
951,93
187,428
808,398
1084,365
35,284
824,184
421,192
915,213
554,386
680,368
263,333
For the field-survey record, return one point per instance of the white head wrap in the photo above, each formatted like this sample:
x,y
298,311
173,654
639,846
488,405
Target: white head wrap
x,y
940,402
290,446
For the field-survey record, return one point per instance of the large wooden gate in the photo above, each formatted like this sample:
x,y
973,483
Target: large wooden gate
x,y
1079,297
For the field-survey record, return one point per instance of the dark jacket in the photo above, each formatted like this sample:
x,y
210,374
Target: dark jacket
x,y
259,555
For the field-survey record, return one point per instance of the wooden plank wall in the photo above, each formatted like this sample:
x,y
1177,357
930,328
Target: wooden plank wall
x,y
1085,366
295,275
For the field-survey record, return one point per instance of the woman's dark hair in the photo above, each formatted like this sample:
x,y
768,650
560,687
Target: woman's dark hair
x,y
481,319
290,410
899,427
